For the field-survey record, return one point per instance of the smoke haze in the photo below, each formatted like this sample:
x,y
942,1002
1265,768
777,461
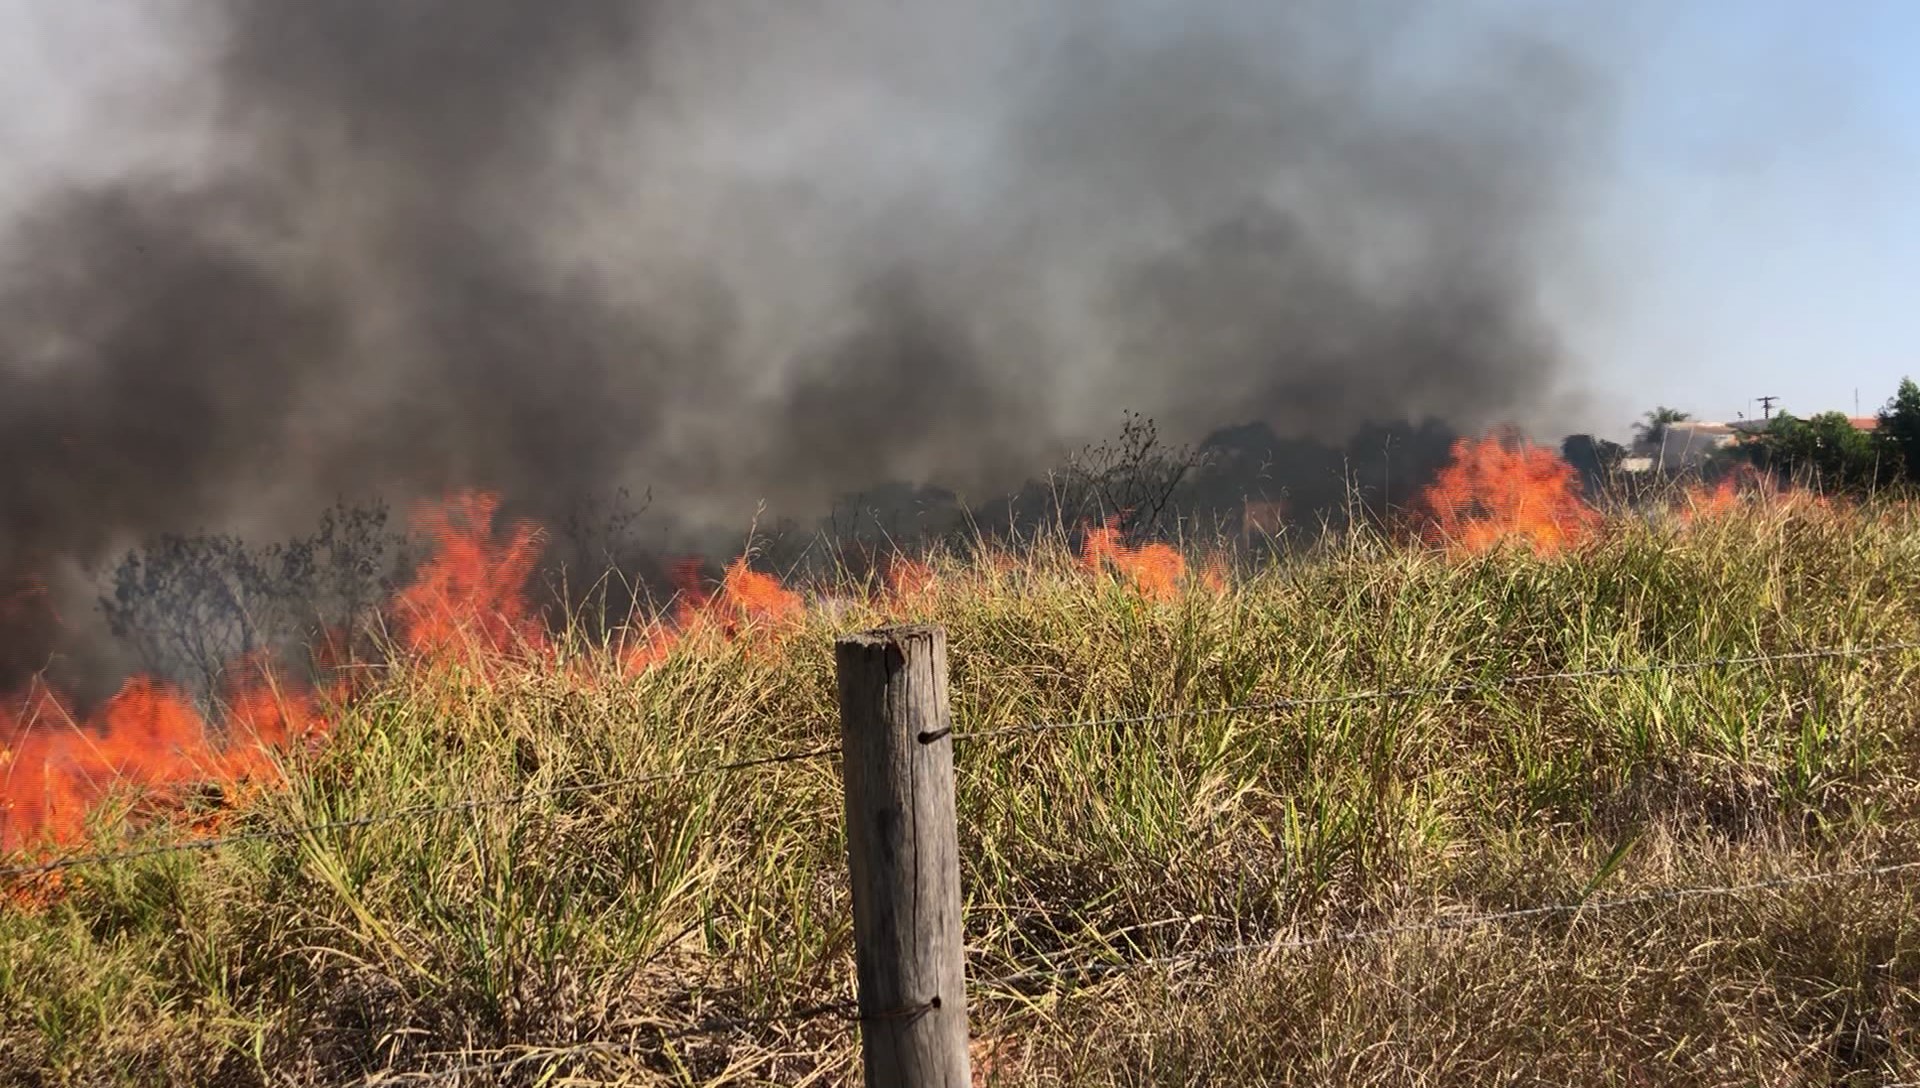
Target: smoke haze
x,y
769,250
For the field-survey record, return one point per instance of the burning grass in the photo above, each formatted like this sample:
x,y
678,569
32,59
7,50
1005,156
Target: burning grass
x,y
462,933
1502,489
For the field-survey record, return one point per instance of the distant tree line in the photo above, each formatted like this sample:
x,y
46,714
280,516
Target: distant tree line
x,y
189,605
1826,450
1829,452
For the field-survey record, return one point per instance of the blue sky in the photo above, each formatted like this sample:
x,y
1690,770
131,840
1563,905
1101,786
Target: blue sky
x,y
1762,233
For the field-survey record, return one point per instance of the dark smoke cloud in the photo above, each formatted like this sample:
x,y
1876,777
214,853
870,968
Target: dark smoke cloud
x,y
774,250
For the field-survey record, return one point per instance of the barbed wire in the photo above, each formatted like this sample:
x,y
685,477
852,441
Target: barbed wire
x,y
1275,942
1463,687
215,842
841,1012
1457,688
847,1012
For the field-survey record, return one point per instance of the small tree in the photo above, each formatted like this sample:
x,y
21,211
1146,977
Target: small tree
x,y
1826,450
1133,480
192,606
1899,435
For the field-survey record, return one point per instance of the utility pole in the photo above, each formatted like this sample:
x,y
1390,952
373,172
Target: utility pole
x,y
1766,406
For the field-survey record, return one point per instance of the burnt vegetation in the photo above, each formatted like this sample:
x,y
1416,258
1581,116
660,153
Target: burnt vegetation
x,y
188,607
191,607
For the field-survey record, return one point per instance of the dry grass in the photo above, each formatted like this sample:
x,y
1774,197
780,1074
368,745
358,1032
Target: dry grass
x,y
479,934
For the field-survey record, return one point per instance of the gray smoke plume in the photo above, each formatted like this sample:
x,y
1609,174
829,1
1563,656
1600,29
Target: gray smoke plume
x,y
773,250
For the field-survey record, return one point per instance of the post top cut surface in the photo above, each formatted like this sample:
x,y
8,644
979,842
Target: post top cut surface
x,y
887,636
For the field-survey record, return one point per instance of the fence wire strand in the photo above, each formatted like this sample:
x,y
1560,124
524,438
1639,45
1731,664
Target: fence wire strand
x,y
1276,942
847,1012
411,812
840,1012
1463,687
15,872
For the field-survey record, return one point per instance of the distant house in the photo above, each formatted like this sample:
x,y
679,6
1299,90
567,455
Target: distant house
x,y
1690,443
1687,444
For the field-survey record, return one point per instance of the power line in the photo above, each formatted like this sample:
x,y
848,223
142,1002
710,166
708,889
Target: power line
x,y
1275,943
1457,688
411,812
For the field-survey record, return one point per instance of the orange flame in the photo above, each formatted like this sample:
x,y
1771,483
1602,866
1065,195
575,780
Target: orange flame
x,y
908,580
758,597
748,600
1748,485
1701,501
148,738
1216,572
1501,490
1154,569
469,599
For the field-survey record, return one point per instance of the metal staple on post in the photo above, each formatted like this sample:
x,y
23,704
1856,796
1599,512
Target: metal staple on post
x,y
904,857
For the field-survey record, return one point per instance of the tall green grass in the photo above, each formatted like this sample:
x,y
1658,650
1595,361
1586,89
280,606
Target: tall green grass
x,y
472,934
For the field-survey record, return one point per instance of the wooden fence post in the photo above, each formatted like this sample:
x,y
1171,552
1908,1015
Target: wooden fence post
x,y
904,854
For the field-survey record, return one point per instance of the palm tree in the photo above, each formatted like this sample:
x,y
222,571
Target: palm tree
x,y
1653,427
